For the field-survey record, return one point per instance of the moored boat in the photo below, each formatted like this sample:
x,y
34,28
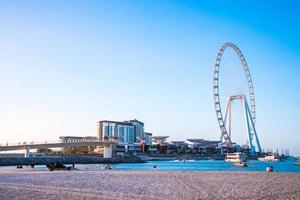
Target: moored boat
x,y
269,158
235,157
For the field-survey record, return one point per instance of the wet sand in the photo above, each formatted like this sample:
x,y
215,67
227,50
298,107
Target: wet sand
x,y
34,184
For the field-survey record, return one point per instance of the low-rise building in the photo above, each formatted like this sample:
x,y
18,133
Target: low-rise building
x,y
159,139
205,146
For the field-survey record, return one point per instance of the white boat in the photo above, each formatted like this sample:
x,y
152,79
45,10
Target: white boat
x,y
269,158
235,157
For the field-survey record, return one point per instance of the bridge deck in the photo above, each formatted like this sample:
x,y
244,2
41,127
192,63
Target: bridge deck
x,y
54,145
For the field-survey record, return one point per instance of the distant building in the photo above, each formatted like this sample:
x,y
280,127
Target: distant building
x,y
138,130
148,138
128,149
177,147
204,146
179,143
202,142
161,143
126,132
159,139
123,131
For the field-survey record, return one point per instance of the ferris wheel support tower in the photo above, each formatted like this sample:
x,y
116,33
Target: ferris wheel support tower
x,y
250,127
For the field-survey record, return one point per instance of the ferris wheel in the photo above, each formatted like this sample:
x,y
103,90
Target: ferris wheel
x,y
249,111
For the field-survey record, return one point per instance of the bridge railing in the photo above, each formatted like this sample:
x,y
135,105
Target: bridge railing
x,y
28,143
46,142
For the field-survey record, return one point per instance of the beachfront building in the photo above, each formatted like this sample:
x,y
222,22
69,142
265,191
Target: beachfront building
x,y
178,147
122,131
125,132
128,149
205,146
159,139
161,143
138,127
148,138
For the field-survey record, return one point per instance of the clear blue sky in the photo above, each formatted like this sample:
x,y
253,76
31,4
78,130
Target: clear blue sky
x,y
66,64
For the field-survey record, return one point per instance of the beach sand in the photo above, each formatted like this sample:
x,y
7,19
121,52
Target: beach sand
x,y
34,184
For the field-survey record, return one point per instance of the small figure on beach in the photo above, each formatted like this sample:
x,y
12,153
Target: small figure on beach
x,y
269,168
154,166
32,165
19,166
108,167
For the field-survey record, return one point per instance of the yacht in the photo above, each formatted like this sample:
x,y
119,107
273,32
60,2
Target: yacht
x,y
269,158
235,157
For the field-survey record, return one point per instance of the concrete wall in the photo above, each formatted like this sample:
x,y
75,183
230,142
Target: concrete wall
x,y
78,159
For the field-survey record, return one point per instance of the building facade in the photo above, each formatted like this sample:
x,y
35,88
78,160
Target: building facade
x,y
148,138
138,130
123,131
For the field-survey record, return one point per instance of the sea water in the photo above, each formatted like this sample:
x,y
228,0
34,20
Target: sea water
x,y
200,165
189,165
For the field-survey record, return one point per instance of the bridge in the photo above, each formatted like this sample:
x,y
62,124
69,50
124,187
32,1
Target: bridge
x,y
107,153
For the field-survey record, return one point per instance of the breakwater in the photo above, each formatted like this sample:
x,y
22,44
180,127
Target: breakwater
x,y
77,159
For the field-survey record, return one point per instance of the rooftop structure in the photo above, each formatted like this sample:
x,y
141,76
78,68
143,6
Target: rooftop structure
x,y
195,140
135,121
179,142
159,139
114,122
208,142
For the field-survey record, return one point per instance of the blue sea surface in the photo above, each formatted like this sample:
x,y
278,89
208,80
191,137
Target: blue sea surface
x,y
189,165
199,165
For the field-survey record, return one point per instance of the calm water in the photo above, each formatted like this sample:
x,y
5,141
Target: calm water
x,y
203,165
192,165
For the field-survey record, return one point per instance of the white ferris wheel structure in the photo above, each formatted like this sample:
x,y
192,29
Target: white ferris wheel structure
x,y
225,123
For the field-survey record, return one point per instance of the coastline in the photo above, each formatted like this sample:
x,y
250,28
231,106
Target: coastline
x,y
38,184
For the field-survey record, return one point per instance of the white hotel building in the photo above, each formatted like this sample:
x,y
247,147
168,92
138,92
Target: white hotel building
x,y
127,132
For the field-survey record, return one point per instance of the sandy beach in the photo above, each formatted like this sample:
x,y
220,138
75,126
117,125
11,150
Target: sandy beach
x,y
34,184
